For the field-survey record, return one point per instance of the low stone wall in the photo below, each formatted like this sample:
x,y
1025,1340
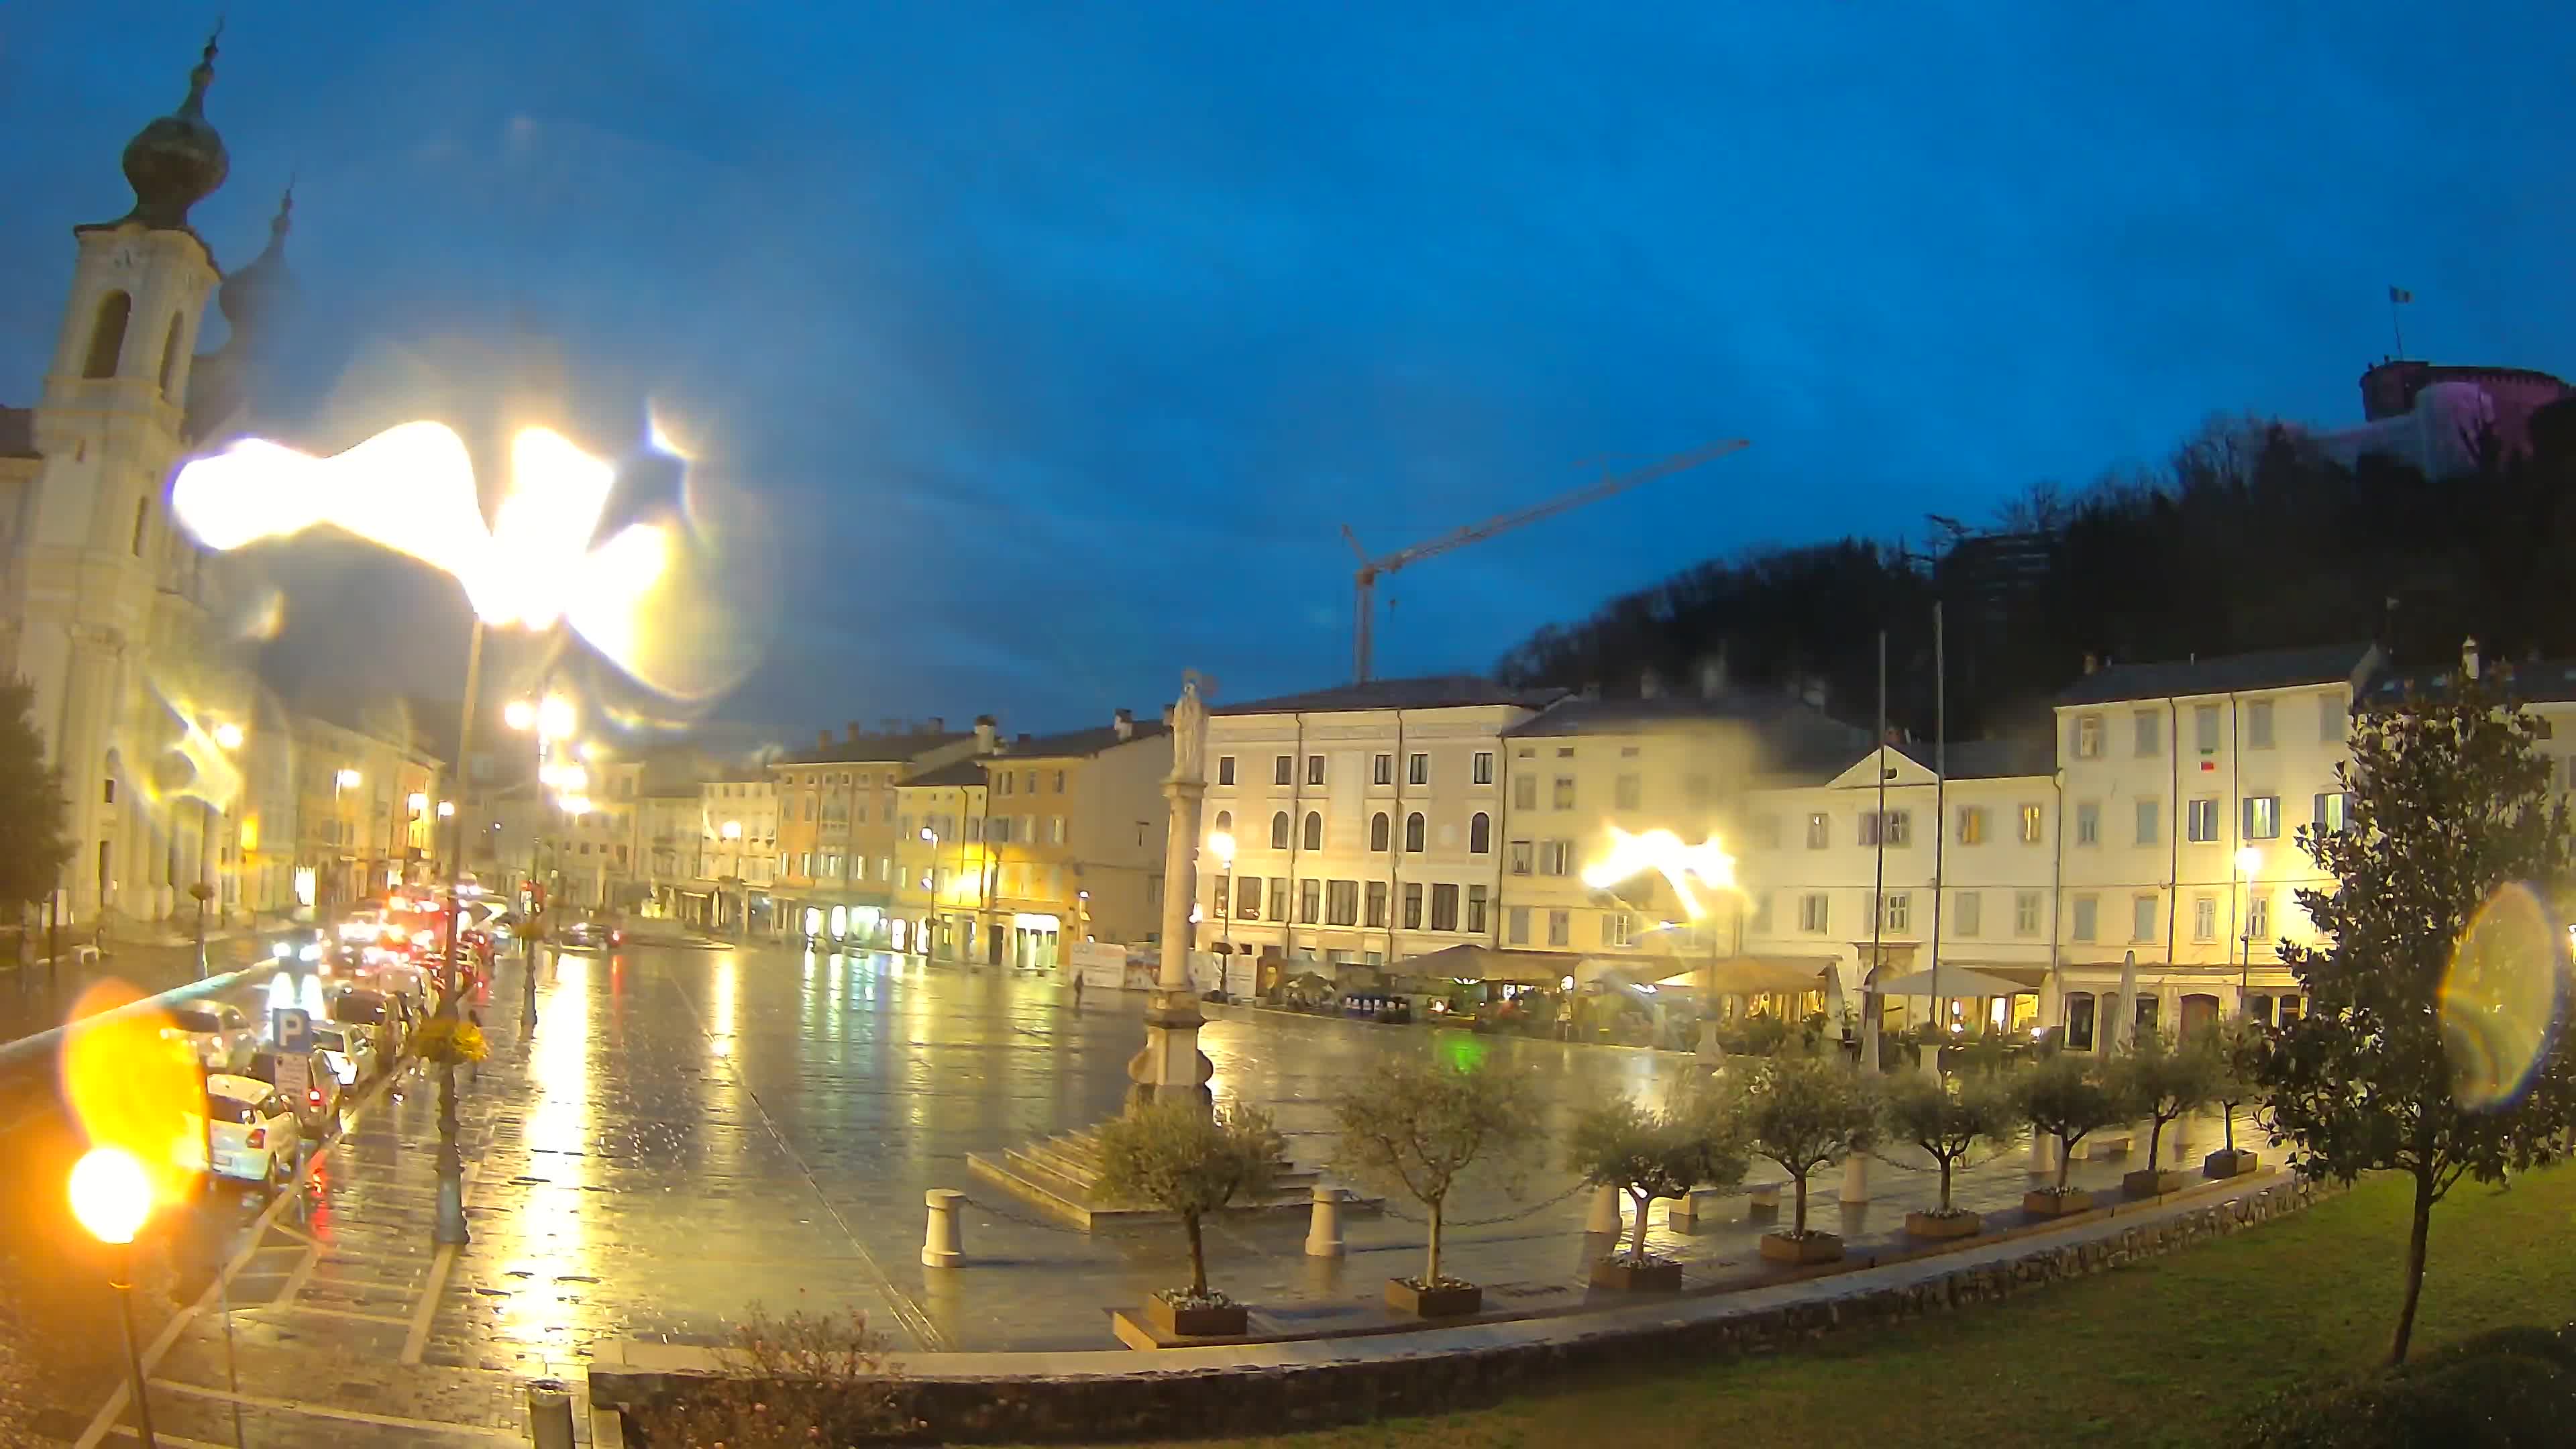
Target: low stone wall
x,y
1266,1389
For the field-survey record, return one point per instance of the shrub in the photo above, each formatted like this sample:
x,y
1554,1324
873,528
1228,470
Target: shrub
x,y
1419,1125
1189,1162
2509,1387
802,1379
1805,1113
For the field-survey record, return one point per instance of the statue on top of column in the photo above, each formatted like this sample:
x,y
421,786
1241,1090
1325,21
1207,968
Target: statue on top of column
x,y
1189,732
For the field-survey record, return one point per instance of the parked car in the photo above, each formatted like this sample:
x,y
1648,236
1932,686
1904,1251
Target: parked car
x,y
383,1016
251,1133
221,1033
320,1109
350,1050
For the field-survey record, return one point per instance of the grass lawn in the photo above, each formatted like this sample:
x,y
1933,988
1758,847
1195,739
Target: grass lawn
x,y
2169,1352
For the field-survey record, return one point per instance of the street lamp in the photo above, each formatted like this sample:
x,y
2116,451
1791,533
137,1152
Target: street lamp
x,y
2248,860
1222,842
111,1197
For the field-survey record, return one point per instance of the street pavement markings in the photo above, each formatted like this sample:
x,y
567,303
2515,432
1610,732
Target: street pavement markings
x,y
416,1342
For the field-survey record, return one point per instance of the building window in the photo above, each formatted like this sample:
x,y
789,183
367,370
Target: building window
x,y
2258,724
1896,911
2204,918
1618,928
107,335
2204,728
1820,831
2146,1016
1247,898
1525,792
1225,822
2088,822
2088,911
1343,907
1518,856
2088,737
1972,825
1627,793
1968,913
1382,770
1444,908
1376,903
1225,769
1475,922
2142,918
1814,912
2331,718
2150,814
1413,905
1310,901
1560,928
1314,769
1055,830
2148,726
1561,797
1483,771
2026,913
2200,820
1413,833
1556,857
2034,820
1279,831
1378,831
1314,830
2334,811
2079,1021
1516,926
1282,768
108,793
2262,817
1218,905
1894,827
1417,770
2258,916
1480,834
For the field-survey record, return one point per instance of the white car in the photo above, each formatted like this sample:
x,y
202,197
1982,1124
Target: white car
x,y
223,1036
351,1051
251,1132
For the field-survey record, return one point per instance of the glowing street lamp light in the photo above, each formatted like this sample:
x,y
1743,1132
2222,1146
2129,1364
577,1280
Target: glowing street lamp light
x,y
518,714
418,802
446,809
733,830
556,719
112,1197
228,735
347,779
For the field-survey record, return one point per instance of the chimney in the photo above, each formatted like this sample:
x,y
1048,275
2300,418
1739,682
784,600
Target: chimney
x,y
1712,676
855,731
937,724
822,739
1650,685
1025,737
1123,724
986,732
2469,657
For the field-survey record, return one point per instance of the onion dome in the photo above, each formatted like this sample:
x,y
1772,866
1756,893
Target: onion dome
x,y
251,292
178,160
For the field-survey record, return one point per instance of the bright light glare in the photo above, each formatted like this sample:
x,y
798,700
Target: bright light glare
x,y
1222,845
111,1194
348,779
2248,860
1662,851
576,804
446,808
733,830
228,735
518,714
418,802
556,717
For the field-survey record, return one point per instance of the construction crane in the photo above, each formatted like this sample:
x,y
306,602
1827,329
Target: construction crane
x,y
1364,581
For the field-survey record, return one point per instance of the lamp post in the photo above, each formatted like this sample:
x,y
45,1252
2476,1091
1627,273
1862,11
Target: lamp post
x,y
929,948
111,1197
1222,843
2248,860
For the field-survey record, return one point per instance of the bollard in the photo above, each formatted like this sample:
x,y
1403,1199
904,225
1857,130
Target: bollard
x,y
1855,1179
2043,1161
1324,1223
1604,1217
941,1247
1763,1201
550,1413
1683,1215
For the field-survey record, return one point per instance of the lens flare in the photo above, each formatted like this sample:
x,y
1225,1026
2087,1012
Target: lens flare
x,y
1663,852
131,1081
2504,997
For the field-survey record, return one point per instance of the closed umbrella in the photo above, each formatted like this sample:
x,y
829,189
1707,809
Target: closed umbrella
x,y
1868,1023
2124,1025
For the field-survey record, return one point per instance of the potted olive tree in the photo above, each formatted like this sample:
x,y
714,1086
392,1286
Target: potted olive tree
x,y
2241,1044
1648,1153
1806,1113
2164,1081
2068,1098
1948,1124
1190,1162
1418,1126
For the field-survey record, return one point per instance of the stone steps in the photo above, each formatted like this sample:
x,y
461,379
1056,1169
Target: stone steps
x,y
1060,1177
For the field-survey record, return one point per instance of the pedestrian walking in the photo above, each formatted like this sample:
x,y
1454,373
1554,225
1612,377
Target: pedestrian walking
x,y
474,1069
1565,1018
1077,988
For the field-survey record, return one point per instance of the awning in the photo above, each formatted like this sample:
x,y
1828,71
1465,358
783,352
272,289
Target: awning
x,y
1488,963
1758,975
1953,981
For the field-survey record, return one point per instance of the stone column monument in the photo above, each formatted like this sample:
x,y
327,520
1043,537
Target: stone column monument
x,y
1171,1067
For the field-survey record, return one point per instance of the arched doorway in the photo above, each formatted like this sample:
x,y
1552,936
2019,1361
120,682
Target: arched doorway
x,y
2199,1013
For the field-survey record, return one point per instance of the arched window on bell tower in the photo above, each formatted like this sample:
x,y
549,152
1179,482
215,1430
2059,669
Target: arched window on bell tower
x,y
107,334
170,358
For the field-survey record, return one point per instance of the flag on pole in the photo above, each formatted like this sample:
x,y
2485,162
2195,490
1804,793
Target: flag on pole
x,y
2397,295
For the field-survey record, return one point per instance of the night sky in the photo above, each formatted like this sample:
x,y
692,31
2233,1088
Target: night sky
x,y
1035,353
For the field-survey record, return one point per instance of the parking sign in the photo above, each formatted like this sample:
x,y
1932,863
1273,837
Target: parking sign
x,y
292,1031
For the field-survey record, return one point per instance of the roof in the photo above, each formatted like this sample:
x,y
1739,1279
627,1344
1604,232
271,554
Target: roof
x,y
1986,759
1073,744
873,749
17,433
968,771
1439,691
2532,681
2220,674
1577,716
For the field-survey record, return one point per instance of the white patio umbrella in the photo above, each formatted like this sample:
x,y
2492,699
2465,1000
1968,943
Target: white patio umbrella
x,y
2124,1025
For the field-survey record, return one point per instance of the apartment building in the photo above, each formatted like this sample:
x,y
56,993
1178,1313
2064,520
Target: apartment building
x,y
1075,837
1366,820
737,855
837,821
942,895
366,811
2184,787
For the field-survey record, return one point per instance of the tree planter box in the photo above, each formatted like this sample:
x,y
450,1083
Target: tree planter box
x,y
1449,1300
1232,1320
1628,1276
2044,1204
2151,1181
1813,1248
1937,1225
2224,1163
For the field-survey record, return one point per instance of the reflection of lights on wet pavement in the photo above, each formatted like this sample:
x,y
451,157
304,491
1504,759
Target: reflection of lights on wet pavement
x,y
558,1132
2504,997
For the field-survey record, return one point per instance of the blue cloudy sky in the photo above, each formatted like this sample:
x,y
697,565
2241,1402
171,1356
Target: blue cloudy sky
x,y
1036,352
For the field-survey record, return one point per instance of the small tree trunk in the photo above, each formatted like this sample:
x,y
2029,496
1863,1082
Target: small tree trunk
x,y
2065,1157
2416,1236
1198,1254
2155,1139
2227,1123
1431,1266
1946,1165
1643,1199
1799,1223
